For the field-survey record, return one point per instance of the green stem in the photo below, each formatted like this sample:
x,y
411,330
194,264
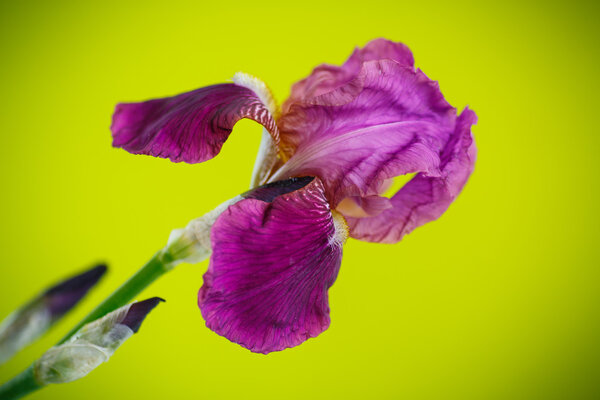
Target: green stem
x,y
153,269
25,382
20,385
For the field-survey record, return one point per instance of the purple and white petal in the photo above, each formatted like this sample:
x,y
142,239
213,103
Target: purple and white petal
x,y
424,199
190,127
399,123
275,255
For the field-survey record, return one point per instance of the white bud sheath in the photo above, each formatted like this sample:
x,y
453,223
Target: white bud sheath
x,y
192,243
92,345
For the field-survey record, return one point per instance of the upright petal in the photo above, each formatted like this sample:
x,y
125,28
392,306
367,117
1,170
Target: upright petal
x,y
275,255
326,78
424,199
189,127
399,123
383,49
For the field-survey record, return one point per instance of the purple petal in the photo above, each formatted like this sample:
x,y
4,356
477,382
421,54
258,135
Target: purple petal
x,y
399,123
363,206
382,49
424,199
327,78
272,263
189,127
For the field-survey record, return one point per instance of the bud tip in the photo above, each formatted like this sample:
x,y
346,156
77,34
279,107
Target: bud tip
x,y
138,312
63,296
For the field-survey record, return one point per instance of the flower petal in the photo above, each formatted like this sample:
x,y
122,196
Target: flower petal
x,y
326,78
399,123
424,199
189,127
272,263
363,206
382,49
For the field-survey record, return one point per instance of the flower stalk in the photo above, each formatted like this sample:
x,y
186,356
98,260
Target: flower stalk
x,y
180,248
91,345
157,266
20,386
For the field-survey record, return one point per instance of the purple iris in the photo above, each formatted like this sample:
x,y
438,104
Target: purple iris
x,y
328,155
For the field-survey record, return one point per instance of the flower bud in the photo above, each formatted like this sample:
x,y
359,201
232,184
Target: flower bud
x,y
28,323
92,345
192,243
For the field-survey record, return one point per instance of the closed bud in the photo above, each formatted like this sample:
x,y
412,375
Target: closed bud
x,y
92,345
192,243
28,323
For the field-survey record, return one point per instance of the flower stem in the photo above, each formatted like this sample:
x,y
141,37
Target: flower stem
x,y
153,269
26,382
20,385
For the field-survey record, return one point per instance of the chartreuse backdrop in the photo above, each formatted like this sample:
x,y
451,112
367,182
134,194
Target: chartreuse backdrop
x,y
498,299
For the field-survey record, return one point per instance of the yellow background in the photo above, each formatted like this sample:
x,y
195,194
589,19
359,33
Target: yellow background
x,y
496,300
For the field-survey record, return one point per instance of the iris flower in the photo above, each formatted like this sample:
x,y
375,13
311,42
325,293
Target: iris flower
x,y
326,159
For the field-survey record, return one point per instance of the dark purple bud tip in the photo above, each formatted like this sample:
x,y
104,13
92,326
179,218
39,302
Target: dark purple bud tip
x,y
270,191
64,296
138,311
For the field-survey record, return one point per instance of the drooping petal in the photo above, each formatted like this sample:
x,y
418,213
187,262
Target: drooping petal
x,y
275,255
424,199
399,123
189,127
327,78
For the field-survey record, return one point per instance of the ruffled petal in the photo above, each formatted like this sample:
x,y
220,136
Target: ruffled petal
x,y
399,123
424,199
189,127
327,78
382,49
273,260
